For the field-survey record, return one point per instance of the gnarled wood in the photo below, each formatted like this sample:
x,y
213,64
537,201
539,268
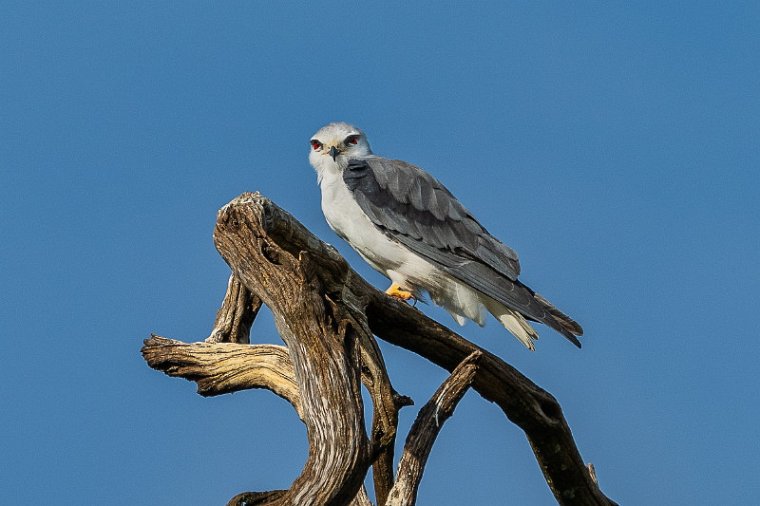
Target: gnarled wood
x,y
323,349
531,408
327,315
425,429
235,316
220,368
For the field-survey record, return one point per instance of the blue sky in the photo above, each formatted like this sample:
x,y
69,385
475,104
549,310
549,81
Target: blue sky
x,y
614,146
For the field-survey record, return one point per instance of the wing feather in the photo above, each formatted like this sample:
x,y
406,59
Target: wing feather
x,y
407,201
417,210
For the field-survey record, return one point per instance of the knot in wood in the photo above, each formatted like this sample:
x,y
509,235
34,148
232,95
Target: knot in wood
x,y
271,253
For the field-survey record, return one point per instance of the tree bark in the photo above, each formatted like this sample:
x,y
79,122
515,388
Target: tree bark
x,y
224,368
327,315
531,408
235,317
425,429
324,350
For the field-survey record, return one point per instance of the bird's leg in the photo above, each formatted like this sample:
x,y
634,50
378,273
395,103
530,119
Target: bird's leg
x,y
397,292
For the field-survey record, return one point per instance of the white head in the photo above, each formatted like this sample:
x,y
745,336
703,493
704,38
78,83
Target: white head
x,y
334,144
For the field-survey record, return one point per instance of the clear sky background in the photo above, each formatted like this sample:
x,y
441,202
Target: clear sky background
x,y
614,146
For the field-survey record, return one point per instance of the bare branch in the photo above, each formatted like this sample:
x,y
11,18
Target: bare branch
x,y
175,357
425,429
327,315
386,404
531,408
236,314
220,368
534,410
224,368
323,349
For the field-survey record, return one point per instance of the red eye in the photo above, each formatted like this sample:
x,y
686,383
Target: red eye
x,y
315,144
352,139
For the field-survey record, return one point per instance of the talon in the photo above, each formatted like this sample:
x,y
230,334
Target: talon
x,y
397,292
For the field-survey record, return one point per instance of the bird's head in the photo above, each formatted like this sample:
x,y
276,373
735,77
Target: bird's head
x,y
334,144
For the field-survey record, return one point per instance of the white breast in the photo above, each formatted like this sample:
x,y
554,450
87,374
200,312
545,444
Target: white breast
x,y
348,220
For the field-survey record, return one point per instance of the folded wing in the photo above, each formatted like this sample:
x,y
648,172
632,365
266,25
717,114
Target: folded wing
x,y
415,209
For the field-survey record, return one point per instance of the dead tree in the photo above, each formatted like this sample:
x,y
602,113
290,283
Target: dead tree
x,y
327,315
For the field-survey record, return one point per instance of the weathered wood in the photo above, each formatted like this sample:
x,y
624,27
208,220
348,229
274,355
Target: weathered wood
x,y
327,315
236,314
323,349
386,405
267,498
527,405
425,429
220,368
386,402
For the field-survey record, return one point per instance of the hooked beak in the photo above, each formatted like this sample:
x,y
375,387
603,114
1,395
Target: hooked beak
x,y
333,152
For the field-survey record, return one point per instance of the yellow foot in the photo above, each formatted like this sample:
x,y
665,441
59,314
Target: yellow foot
x,y
399,293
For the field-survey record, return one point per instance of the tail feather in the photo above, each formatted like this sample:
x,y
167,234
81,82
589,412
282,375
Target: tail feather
x,y
564,324
513,321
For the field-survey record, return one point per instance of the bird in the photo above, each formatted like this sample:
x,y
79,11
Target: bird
x,y
409,227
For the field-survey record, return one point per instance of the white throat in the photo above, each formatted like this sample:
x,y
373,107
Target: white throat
x,y
326,167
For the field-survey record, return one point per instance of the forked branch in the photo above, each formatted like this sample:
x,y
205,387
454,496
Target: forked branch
x,y
327,315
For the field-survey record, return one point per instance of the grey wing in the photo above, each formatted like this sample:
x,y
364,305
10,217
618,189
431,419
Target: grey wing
x,y
414,208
